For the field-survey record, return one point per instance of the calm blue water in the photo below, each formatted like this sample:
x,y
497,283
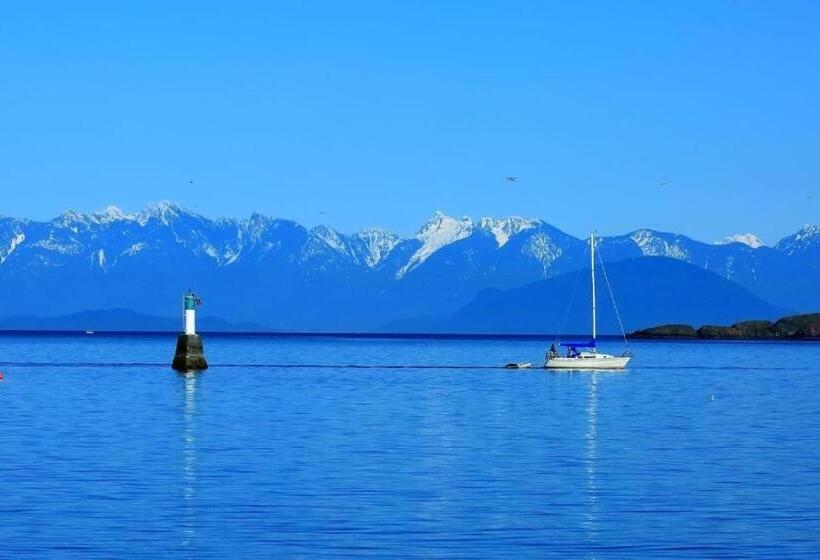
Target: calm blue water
x,y
102,460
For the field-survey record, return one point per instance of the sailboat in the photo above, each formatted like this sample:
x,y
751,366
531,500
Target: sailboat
x,y
585,355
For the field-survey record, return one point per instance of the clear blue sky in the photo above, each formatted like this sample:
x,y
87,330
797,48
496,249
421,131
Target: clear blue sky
x,y
379,113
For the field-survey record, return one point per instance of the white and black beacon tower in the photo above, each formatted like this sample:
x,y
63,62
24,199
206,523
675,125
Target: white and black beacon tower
x,y
190,353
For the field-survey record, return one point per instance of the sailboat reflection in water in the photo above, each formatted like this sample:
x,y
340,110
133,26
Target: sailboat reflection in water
x,y
591,455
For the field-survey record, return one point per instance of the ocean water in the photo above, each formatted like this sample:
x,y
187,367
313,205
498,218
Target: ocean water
x,y
289,448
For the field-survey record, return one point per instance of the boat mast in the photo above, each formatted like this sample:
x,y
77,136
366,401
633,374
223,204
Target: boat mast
x,y
592,271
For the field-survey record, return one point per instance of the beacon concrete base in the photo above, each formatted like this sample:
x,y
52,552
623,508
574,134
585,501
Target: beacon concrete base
x,y
190,355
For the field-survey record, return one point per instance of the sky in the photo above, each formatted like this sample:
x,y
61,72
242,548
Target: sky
x,y
700,118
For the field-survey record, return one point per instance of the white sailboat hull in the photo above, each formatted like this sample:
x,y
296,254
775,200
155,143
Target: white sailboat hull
x,y
588,361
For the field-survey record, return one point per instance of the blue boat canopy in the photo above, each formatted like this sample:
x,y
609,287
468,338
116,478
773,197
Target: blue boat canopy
x,y
584,344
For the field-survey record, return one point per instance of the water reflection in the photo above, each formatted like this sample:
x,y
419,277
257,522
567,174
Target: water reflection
x,y
189,461
591,456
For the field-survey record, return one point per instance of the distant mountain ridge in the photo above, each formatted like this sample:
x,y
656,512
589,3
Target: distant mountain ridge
x,y
649,291
118,320
279,274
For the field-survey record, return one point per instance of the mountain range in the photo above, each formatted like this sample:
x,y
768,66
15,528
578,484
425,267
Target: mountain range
x,y
648,289
280,275
108,320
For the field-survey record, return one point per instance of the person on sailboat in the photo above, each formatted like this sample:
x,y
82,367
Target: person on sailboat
x,y
553,353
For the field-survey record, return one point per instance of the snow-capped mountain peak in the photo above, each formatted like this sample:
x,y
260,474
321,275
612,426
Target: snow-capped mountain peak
x,y
323,279
749,239
809,230
655,244
376,244
254,228
443,230
112,213
70,219
439,232
331,237
165,211
808,237
504,228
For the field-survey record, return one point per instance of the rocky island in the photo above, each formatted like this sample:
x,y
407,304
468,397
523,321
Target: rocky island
x,y
793,327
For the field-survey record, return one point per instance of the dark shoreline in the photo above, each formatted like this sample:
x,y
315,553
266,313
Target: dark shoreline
x,y
805,327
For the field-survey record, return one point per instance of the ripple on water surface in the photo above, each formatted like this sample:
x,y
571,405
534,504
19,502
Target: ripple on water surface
x,y
286,447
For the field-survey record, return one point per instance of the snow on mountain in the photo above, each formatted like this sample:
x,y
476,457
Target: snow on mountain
x,y
254,228
542,248
12,236
101,258
319,276
331,238
111,214
806,239
371,246
165,230
505,228
164,225
654,244
55,245
15,242
366,248
164,211
134,249
748,239
439,232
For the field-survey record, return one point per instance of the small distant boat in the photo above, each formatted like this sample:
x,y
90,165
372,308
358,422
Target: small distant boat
x,y
585,355
89,332
518,365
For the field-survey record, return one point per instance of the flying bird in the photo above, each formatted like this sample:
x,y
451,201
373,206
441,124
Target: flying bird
x,y
665,182
511,179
